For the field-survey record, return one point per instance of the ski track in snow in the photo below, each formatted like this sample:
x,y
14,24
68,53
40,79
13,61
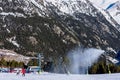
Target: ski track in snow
x,y
52,76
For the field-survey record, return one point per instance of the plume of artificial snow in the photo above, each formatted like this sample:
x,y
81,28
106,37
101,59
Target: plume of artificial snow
x,y
80,59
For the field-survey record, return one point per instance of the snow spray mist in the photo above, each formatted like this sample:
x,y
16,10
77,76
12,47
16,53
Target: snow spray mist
x,y
80,59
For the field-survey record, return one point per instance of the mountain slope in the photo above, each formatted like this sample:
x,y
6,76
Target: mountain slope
x,y
111,7
114,10
103,3
54,27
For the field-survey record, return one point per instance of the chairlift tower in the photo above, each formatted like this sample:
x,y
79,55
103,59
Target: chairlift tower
x,y
39,60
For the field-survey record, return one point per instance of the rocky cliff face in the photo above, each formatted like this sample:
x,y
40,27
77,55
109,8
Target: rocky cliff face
x,y
54,27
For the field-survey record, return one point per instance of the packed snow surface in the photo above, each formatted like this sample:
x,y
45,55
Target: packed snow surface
x,y
53,76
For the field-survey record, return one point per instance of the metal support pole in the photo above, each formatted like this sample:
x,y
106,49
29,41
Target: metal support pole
x,y
39,61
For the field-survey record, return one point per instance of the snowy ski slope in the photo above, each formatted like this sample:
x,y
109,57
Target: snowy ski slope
x,y
52,76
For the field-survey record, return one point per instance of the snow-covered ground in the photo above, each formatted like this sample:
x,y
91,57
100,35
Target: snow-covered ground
x,y
52,76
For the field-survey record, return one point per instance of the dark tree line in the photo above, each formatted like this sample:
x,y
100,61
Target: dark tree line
x,y
10,64
101,68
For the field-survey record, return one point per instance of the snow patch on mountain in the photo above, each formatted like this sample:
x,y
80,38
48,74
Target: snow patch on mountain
x,y
12,40
11,55
115,11
112,6
70,6
4,52
36,4
13,14
103,3
8,30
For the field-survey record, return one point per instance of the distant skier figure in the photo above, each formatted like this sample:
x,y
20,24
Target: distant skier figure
x,y
18,72
23,72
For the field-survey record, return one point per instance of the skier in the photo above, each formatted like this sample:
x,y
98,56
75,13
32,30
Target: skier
x,y
23,72
18,72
